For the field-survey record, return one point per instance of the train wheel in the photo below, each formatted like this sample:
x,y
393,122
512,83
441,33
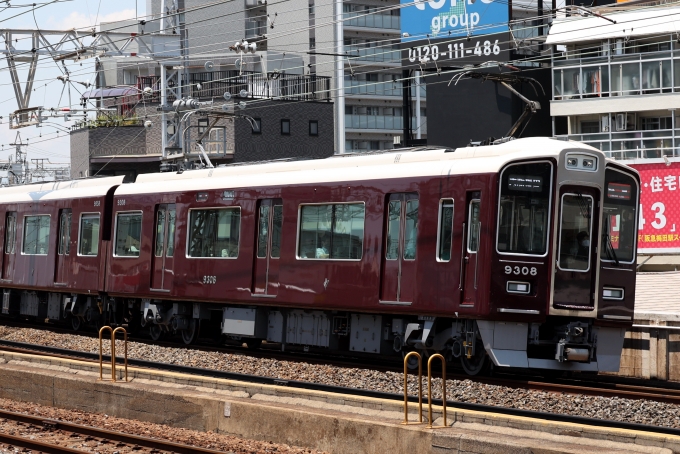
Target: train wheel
x,y
190,334
412,363
476,364
253,343
155,331
76,323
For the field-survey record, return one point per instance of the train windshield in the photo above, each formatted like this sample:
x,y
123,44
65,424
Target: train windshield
x,y
619,217
524,209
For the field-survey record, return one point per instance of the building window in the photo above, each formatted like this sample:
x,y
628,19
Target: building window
x,y
202,125
653,123
88,243
36,235
256,126
590,127
128,234
313,128
214,233
285,127
331,231
312,43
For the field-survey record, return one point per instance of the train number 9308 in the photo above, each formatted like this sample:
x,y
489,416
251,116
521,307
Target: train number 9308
x,y
524,270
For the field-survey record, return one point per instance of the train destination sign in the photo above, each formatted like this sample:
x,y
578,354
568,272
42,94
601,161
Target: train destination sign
x,y
525,183
618,191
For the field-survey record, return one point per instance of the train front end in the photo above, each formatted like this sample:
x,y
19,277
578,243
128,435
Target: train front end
x,y
563,284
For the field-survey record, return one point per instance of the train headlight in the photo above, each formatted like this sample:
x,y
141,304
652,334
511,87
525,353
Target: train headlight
x,y
610,293
572,162
589,163
523,288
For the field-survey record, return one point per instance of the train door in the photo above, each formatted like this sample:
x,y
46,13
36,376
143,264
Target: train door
x,y
10,245
268,248
63,248
575,273
469,259
162,262
399,261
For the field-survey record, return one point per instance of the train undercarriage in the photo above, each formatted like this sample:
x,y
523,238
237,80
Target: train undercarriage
x,y
560,343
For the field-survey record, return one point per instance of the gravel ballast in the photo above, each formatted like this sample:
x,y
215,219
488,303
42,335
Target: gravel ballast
x,y
610,408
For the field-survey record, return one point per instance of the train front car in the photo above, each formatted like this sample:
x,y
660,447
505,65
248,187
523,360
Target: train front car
x,y
563,276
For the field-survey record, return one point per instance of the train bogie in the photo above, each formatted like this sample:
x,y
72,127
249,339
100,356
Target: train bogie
x,y
521,254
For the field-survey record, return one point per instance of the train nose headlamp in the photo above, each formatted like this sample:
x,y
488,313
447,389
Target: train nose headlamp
x,y
572,162
588,163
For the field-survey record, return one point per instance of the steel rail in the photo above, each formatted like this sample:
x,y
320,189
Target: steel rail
x,y
37,446
91,431
359,392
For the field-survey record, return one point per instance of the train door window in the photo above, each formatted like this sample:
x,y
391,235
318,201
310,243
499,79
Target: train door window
x,y
445,230
331,231
160,231
524,209
88,241
473,226
393,230
411,229
214,233
172,215
10,232
36,235
263,231
128,241
575,232
64,233
277,223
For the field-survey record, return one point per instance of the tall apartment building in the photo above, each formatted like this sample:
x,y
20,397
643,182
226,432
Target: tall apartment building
x,y
617,86
298,37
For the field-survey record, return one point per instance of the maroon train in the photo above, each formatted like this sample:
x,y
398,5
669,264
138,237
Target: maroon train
x,y
522,253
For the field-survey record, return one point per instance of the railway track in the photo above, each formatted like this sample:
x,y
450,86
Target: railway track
x,y
625,391
65,432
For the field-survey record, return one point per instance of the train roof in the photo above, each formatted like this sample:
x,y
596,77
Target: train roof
x,y
398,163
55,190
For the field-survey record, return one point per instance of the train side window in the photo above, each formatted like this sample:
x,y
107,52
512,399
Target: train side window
x,y
445,230
263,231
214,233
411,229
160,231
10,232
277,223
128,240
64,233
331,231
88,240
172,214
36,235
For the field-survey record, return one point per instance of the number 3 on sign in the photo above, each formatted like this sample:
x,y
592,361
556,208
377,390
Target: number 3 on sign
x,y
659,221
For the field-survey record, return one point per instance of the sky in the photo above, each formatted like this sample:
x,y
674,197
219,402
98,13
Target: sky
x,y
47,89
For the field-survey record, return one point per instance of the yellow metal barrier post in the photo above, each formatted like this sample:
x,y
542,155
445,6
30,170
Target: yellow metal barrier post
x,y
420,386
113,349
101,361
429,389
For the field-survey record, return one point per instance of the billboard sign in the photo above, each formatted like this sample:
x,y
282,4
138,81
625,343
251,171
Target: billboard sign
x,y
421,19
457,52
659,219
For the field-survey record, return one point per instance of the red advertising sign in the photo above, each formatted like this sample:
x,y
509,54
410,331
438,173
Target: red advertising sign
x,y
659,222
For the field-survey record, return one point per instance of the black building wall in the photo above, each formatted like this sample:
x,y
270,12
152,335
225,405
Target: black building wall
x,y
474,110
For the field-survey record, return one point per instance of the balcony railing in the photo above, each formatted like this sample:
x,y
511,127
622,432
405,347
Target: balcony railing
x,y
381,54
361,19
388,88
385,122
624,145
293,87
616,75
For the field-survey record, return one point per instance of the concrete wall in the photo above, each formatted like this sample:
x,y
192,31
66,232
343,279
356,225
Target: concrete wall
x,y
80,153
